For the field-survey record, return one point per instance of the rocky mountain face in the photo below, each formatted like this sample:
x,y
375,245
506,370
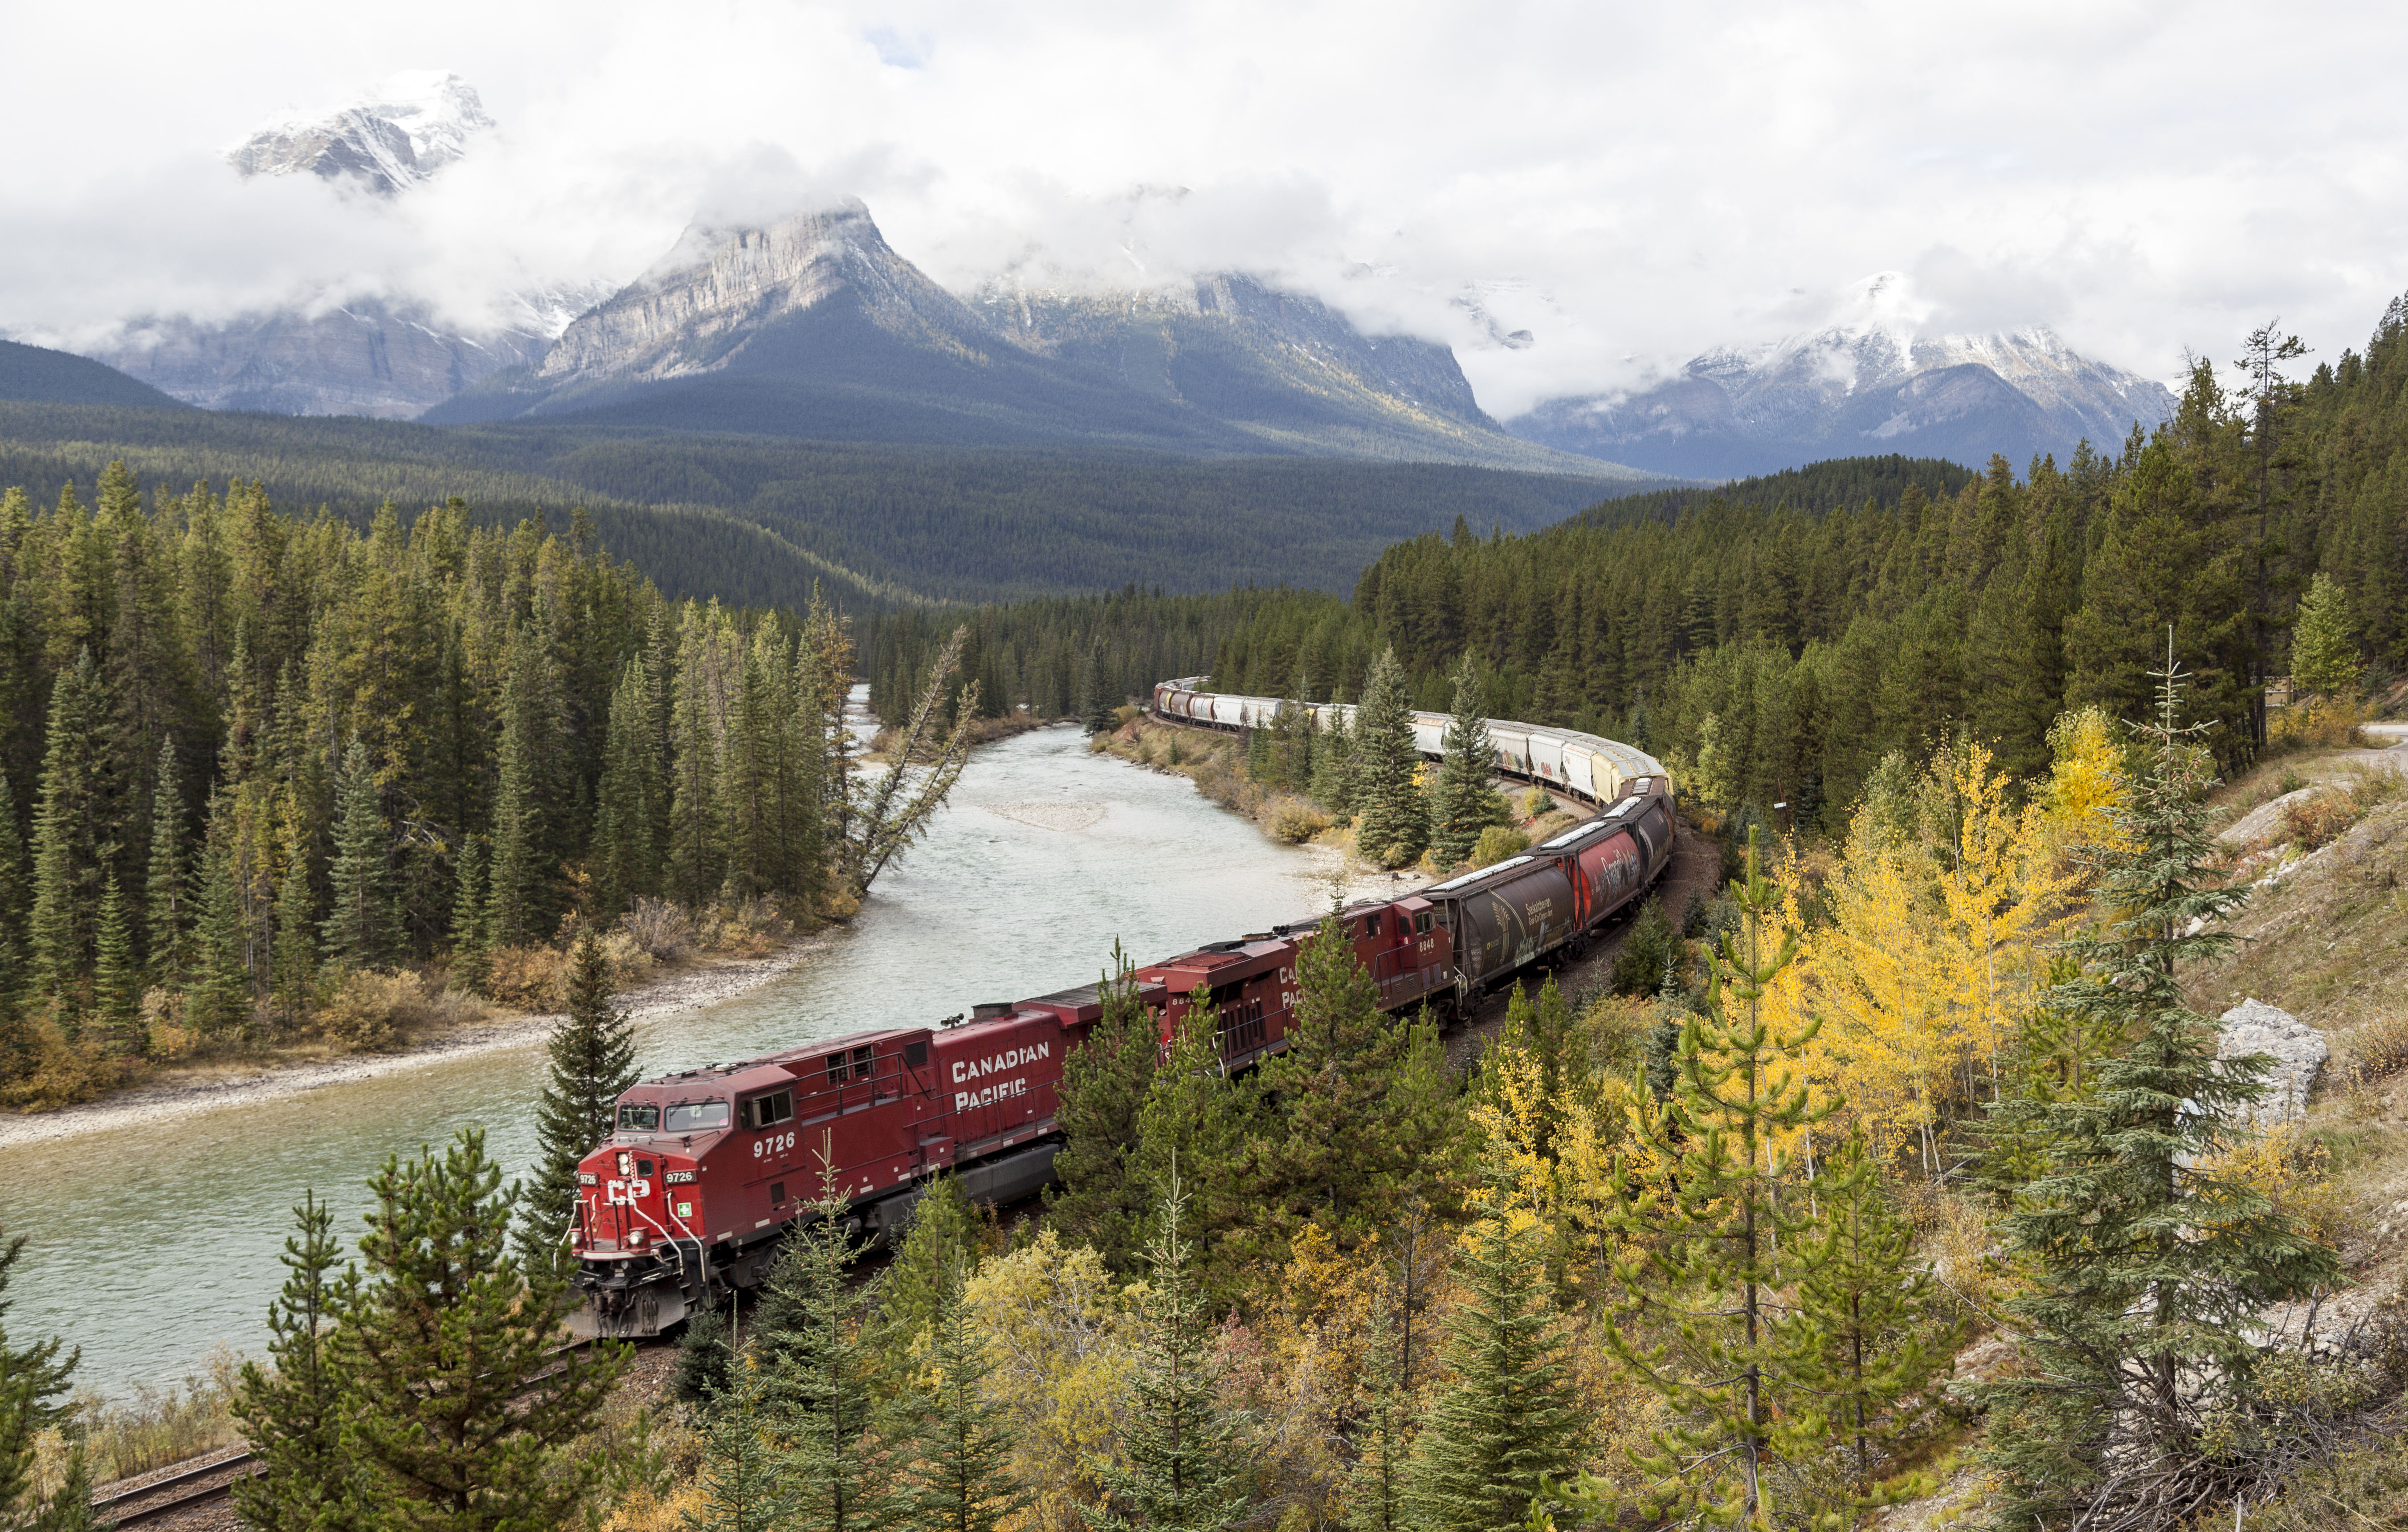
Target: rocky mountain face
x,y
816,326
390,358
1872,382
403,131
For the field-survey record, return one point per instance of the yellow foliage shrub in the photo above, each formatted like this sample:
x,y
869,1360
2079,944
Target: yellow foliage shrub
x,y
534,979
369,1009
1294,823
63,1073
2289,1170
2320,820
1496,843
2379,1049
2324,724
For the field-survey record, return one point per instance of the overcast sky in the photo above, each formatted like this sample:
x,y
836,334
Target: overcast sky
x,y
1631,184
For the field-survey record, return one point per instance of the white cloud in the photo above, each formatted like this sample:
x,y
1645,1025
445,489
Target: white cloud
x,y
1629,183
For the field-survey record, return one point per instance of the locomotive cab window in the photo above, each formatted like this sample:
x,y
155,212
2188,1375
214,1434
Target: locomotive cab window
x,y
697,1116
1371,925
1421,922
639,1117
770,1110
856,1065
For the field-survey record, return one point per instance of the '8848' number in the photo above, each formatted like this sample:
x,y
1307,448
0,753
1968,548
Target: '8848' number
x,y
773,1143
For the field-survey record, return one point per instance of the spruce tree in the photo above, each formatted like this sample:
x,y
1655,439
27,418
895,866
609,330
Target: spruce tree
x,y
2324,643
73,837
295,965
1333,767
1197,1114
358,927
2150,1267
460,1411
1362,1119
34,1381
592,1052
511,879
1463,800
811,1338
1506,1424
1101,1199
960,1478
218,1001
743,1486
941,1242
1863,1341
627,837
1704,1252
1377,1498
117,978
1184,1455
706,1364
16,1045
166,897
291,1412
1392,812
472,942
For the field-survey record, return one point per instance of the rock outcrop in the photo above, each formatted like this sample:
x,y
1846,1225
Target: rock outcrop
x,y
2298,1052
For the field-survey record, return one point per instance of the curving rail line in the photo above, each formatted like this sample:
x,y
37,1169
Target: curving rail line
x,y
1581,766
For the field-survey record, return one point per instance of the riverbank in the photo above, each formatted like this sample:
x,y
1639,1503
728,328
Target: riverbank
x,y
172,1093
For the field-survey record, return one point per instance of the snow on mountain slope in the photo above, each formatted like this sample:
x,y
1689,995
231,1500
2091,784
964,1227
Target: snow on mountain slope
x,y
394,137
1871,380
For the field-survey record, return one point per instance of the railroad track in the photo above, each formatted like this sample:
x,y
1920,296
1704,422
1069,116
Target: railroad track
x,y
183,1491
196,1486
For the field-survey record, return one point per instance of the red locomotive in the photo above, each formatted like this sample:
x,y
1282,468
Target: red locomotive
x,y
706,1168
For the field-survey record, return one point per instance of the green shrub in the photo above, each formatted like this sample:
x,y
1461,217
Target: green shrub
x,y
1496,843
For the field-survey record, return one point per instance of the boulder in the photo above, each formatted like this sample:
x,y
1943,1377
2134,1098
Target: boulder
x,y
2298,1050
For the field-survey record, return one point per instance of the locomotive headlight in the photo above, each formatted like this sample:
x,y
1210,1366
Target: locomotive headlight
x,y
626,1163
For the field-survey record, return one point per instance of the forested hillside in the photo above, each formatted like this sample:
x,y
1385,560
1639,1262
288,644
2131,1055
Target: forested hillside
x,y
246,755
759,519
1777,639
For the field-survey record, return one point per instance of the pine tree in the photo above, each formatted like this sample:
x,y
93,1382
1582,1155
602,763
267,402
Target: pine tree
x,y
294,971
1705,1252
706,1364
1506,1425
695,862
117,978
2150,1267
358,927
1362,1120
1863,1343
1101,1199
73,837
166,897
1392,813
460,1413
820,1372
593,1063
1463,801
960,1478
743,1485
1185,1456
2324,643
1197,1114
1377,1498
472,941
291,1416
511,888
1333,767
627,837
927,1266
16,1046
219,999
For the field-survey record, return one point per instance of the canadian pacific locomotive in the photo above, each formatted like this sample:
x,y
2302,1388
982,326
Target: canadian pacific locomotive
x,y
705,1169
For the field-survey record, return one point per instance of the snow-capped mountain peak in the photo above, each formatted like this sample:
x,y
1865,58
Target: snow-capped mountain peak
x,y
388,140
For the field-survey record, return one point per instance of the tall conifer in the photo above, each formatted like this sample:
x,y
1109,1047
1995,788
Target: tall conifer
x,y
294,970
1463,799
592,1052
461,1413
167,894
74,837
219,998
2151,1265
117,978
472,940
960,1440
358,927
1392,813
291,1412
1185,1459
1101,1200
821,1371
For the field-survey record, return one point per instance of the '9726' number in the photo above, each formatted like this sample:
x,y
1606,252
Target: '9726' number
x,y
773,1143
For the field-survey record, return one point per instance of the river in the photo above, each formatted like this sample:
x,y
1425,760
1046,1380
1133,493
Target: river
x,y
151,1249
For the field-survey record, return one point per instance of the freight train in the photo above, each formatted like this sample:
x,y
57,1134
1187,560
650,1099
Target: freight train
x,y
705,1169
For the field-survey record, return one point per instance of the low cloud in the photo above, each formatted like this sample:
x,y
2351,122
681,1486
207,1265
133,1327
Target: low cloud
x,y
1629,186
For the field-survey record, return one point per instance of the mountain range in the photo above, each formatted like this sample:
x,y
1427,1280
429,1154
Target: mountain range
x,y
1870,382
812,326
